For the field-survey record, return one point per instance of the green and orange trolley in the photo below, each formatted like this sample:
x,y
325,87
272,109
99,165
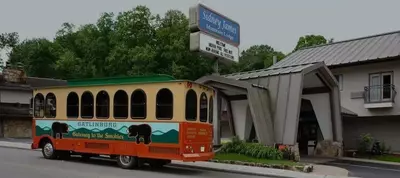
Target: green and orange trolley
x,y
135,120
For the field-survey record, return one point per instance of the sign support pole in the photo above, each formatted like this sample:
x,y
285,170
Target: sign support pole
x,y
215,66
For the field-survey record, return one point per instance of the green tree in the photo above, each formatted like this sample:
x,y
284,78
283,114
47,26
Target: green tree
x,y
133,42
258,57
7,42
38,56
311,40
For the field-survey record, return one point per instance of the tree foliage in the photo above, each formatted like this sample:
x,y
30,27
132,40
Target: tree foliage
x,y
7,42
258,57
311,40
133,42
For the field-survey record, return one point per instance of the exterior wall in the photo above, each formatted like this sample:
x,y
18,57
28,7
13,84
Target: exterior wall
x,y
322,110
17,127
355,78
384,129
9,96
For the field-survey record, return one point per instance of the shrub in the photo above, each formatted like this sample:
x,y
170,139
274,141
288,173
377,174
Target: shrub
x,y
254,150
365,145
385,148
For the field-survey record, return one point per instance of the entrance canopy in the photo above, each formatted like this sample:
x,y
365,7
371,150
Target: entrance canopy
x,y
274,96
231,89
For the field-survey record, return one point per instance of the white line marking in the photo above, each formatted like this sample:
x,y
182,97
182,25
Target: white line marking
x,y
387,169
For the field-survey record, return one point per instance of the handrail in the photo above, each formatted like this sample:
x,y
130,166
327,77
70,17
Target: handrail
x,y
379,93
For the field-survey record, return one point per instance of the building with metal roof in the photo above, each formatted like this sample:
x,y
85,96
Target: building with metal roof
x,y
272,115
345,86
366,70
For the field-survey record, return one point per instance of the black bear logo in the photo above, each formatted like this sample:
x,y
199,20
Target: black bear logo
x,y
140,131
59,129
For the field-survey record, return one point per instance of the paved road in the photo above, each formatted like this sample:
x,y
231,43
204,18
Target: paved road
x,y
16,163
365,171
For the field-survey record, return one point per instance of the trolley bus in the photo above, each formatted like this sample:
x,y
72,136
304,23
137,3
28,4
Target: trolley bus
x,y
135,120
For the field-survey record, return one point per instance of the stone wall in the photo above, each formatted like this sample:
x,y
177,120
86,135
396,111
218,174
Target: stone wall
x,y
329,148
17,127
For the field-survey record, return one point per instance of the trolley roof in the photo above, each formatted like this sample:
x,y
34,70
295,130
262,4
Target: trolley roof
x,y
158,78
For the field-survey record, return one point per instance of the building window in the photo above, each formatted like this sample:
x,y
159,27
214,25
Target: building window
x,y
50,106
339,78
138,104
102,105
121,105
380,86
39,106
211,111
203,107
191,106
87,108
164,105
72,105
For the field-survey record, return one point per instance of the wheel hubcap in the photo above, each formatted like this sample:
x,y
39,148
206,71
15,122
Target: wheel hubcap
x,y
48,149
125,160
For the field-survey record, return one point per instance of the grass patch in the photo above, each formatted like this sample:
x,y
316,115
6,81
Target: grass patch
x,y
388,158
244,158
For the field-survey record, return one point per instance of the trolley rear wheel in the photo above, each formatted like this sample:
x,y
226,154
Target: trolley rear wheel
x,y
127,162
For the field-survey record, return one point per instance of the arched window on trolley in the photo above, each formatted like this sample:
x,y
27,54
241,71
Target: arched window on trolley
x,y
72,105
121,103
50,106
164,104
38,111
87,105
138,104
102,105
203,107
191,105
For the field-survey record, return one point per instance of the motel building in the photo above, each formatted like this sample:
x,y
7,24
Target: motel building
x,y
297,106
293,105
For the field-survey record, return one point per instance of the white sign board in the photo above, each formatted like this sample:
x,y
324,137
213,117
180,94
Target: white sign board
x,y
213,47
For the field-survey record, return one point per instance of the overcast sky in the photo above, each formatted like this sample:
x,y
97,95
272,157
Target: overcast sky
x,y
278,23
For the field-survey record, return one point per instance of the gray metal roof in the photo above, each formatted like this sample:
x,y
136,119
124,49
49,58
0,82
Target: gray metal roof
x,y
269,72
368,48
348,112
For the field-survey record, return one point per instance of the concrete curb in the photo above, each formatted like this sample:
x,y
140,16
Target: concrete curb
x,y
228,171
245,170
372,163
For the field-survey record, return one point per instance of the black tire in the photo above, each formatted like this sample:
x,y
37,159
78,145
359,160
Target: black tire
x,y
127,162
48,151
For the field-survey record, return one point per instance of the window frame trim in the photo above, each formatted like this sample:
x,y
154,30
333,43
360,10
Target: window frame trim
x,y
381,74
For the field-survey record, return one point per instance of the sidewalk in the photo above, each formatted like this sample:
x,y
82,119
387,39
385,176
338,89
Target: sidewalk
x,y
320,171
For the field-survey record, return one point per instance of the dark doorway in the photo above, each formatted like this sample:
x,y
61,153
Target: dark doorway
x,y
1,127
307,134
